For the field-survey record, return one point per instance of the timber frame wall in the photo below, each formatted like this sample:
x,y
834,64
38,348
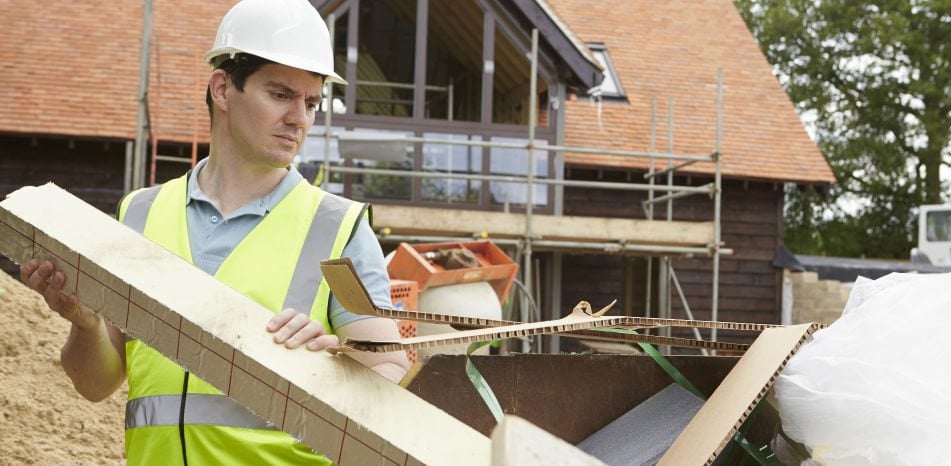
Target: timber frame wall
x,y
750,286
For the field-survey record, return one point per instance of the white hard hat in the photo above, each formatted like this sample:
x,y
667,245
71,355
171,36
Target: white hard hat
x,y
289,32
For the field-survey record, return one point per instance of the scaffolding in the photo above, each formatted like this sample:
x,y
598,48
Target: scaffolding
x,y
529,242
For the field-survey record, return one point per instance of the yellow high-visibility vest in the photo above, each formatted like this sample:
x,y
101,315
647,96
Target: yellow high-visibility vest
x,y
278,265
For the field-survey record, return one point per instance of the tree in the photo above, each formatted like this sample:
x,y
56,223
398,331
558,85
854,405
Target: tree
x,y
876,78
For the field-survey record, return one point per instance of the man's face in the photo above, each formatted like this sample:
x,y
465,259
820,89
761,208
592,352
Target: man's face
x,y
269,120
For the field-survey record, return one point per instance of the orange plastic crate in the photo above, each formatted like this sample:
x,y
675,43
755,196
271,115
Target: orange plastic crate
x,y
496,268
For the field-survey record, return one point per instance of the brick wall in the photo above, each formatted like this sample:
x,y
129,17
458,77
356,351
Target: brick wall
x,y
815,300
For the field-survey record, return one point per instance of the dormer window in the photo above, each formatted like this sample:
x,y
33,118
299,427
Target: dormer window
x,y
611,86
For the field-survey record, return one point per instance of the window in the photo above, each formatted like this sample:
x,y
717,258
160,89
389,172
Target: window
x,y
444,158
939,226
386,58
509,161
611,85
382,149
454,61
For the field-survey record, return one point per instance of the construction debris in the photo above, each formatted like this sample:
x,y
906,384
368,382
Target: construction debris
x,y
180,311
350,291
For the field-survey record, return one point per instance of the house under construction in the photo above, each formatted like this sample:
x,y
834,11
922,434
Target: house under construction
x,y
617,150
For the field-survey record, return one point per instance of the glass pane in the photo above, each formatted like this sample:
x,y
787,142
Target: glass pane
x,y
511,161
444,158
939,226
389,156
311,158
511,81
454,61
608,86
386,58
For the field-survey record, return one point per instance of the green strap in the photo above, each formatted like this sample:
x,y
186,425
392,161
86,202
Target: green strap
x,y
661,361
488,396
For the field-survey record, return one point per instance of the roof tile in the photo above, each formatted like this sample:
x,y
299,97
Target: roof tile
x,y
672,50
66,70
73,68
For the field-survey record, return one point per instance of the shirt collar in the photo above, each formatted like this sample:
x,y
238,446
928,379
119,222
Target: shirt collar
x,y
259,206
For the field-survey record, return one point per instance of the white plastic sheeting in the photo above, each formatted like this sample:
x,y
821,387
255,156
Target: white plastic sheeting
x,y
875,387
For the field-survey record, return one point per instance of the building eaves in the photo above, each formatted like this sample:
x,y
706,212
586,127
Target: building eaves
x,y
575,55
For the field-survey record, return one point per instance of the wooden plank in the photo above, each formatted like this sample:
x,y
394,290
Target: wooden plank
x,y
334,404
405,220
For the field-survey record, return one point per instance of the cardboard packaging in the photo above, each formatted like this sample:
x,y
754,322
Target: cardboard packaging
x,y
707,433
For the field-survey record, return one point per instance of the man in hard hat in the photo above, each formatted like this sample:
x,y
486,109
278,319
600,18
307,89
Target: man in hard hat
x,y
247,216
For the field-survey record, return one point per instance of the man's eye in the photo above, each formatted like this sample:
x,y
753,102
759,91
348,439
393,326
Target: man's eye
x,y
279,95
312,106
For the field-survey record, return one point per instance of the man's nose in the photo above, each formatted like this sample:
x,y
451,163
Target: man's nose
x,y
297,114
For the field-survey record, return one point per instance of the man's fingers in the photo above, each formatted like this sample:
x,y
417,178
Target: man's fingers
x,y
280,319
27,269
322,342
57,280
294,325
306,333
293,329
37,279
43,278
54,292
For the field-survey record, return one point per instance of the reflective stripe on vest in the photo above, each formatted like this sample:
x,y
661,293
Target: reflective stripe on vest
x,y
316,248
163,410
135,208
276,264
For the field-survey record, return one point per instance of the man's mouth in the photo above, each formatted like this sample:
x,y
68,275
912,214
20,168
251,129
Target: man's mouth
x,y
288,138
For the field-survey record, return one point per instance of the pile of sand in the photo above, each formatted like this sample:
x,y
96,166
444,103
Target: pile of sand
x,y
44,420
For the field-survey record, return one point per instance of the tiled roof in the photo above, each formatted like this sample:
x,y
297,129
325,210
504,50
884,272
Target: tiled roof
x,y
73,67
672,49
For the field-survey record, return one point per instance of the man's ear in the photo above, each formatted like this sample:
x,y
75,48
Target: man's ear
x,y
218,84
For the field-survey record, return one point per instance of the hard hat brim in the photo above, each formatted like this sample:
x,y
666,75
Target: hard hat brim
x,y
292,61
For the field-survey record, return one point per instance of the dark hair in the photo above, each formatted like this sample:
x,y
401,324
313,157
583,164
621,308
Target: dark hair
x,y
239,67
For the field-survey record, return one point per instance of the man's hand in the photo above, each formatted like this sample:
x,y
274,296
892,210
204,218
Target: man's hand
x,y
294,329
392,365
94,354
43,277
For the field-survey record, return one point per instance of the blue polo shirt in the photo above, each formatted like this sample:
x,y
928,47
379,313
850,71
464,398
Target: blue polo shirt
x,y
213,236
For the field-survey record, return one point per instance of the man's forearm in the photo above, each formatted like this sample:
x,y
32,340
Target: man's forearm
x,y
92,362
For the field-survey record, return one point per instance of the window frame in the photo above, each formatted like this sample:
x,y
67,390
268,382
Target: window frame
x,y
609,70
